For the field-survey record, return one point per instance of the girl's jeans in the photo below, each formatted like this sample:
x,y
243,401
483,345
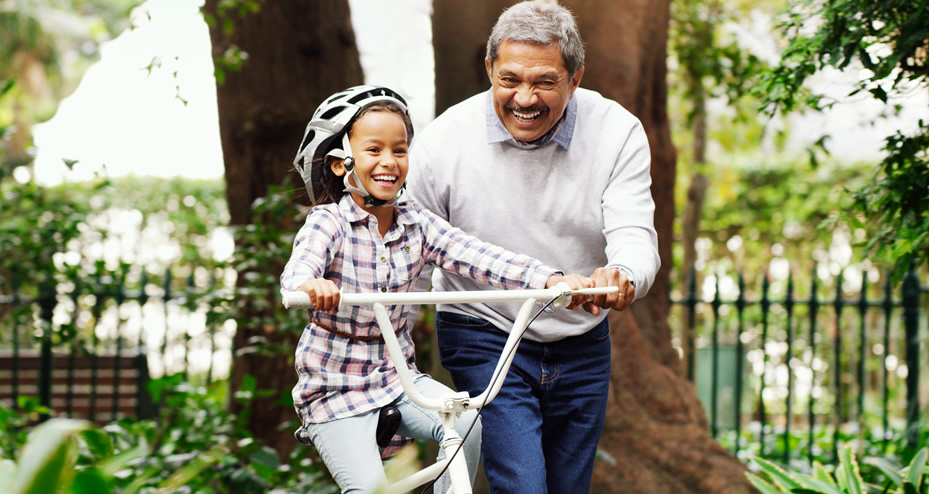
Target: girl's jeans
x,y
350,452
541,431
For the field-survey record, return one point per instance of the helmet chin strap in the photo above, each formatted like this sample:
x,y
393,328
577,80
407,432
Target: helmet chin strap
x,y
349,164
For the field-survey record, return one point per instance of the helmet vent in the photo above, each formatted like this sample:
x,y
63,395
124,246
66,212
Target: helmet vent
x,y
332,112
359,97
308,139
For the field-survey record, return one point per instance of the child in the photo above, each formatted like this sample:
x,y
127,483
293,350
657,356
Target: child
x,y
369,241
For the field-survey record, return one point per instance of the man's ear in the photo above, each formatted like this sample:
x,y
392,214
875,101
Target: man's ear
x,y
576,80
338,167
490,70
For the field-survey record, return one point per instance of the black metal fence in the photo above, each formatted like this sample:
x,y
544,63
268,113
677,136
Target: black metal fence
x,y
90,351
786,376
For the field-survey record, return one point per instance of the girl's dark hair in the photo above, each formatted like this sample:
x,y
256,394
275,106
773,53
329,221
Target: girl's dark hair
x,y
331,184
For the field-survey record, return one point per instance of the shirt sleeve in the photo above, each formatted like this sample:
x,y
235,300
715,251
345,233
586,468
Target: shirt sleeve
x,y
315,246
629,214
452,250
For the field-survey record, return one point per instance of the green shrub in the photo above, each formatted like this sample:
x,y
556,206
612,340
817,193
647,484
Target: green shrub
x,y
846,479
195,446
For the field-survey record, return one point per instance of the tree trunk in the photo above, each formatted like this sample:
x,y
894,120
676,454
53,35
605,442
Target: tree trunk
x,y
656,428
459,38
298,53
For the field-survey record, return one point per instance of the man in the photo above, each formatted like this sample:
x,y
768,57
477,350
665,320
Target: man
x,y
547,169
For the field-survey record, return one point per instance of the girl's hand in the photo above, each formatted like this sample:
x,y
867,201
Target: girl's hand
x,y
324,294
576,282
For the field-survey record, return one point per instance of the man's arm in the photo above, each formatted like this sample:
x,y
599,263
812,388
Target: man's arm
x,y
628,216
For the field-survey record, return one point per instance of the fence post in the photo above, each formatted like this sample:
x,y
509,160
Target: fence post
x,y
47,303
120,298
14,282
814,310
714,370
691,304
166,299
740,357
862,347
839,304
911,325
765,308
789,307
888,306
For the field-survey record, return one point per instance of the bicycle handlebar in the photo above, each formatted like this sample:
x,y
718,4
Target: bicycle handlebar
x,y
561,291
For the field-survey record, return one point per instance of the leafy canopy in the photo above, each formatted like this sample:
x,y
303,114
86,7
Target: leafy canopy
x,y
890,41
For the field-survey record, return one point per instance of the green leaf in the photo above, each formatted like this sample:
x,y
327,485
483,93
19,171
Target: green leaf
x,y
778,475
847,475
889,470
45,457
762,485
89,481
98,442
820,474
879,93
915,469
7,470
265,456
184,474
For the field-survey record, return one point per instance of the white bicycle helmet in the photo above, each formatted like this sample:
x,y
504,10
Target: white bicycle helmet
x,y
329,123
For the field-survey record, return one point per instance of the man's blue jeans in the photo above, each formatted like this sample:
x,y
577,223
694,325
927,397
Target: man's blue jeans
x,y
540,433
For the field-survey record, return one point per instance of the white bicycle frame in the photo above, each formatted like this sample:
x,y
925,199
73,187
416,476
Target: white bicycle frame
x,y
451,406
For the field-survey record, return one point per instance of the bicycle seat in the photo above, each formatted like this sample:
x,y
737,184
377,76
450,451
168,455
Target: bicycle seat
x,y
387,424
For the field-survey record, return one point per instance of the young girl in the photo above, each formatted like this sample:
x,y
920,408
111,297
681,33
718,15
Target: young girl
x,y
368,241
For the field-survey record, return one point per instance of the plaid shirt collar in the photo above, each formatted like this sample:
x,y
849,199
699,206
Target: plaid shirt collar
x,y
561,133
405,217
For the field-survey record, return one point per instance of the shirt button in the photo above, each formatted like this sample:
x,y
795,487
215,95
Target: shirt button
x,y
406,249
383,288
383,259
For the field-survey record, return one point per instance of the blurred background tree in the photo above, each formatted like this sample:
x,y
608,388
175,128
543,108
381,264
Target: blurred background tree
x,y
889,43
45,47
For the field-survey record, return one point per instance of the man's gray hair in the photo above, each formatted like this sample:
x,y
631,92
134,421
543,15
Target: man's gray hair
x,y
540,22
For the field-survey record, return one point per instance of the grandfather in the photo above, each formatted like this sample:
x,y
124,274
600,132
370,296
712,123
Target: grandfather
x,y
545,168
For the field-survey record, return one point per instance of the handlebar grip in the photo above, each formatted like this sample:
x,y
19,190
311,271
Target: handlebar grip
x,y
296,299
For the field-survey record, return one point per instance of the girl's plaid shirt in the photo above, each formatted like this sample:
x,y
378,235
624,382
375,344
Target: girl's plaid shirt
x,y
341,377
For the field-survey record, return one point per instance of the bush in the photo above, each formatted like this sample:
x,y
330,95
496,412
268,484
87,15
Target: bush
x,y
846,479
195,446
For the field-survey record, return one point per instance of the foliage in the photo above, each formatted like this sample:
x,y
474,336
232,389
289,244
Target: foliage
x,y
261,245
45,46
709,61
766,209
194,446
846,479
232,58
111,236
897,202
76,226
890,41
36,223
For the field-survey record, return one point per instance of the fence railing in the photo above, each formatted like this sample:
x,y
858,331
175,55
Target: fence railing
x,y
773,367
84,350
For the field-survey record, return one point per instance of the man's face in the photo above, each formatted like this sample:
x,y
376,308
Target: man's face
x,y
531,87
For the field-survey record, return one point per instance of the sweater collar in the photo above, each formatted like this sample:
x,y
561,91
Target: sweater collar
x,y
561,133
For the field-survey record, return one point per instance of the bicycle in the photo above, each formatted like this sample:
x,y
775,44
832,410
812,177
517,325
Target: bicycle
x,y
450,406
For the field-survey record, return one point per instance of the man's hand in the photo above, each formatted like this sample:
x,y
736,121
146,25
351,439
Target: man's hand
x,y
576,282
324,294
603,277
